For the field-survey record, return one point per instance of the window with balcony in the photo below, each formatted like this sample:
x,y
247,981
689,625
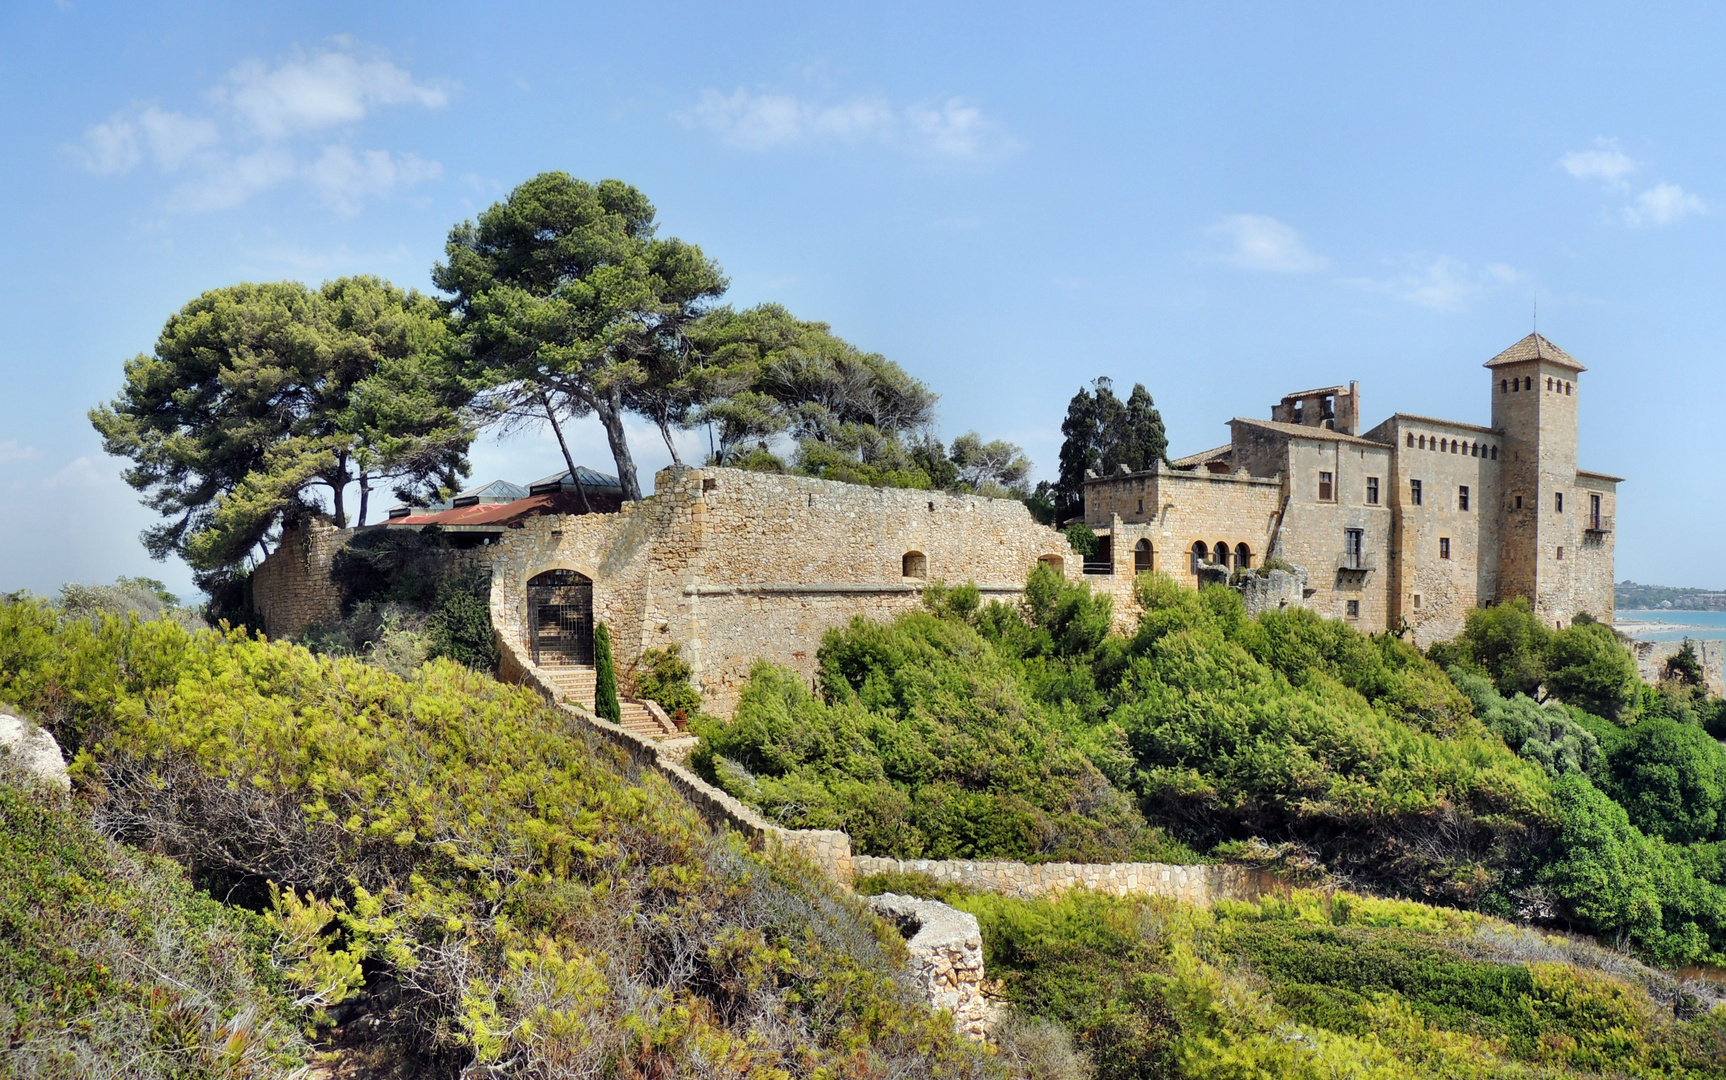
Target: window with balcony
x,y
1594,512
1353,548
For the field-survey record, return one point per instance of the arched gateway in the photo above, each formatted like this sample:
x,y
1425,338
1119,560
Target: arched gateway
x,y
560,617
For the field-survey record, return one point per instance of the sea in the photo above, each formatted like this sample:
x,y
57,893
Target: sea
x,y
1669,625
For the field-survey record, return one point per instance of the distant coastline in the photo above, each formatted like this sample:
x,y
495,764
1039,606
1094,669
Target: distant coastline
x,y
1671,624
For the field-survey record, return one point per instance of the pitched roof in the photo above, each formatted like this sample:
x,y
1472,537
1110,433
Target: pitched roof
x,y
1302,431
1437,422
1199,459
495,513
1535,347
591,479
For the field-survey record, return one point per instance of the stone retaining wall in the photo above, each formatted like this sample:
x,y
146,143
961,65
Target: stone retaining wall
x,y
829,849
1651,657
1200,884
291,588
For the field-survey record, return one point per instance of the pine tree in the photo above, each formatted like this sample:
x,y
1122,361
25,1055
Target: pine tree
x,y
605,704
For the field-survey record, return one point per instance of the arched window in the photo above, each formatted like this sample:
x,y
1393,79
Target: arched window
x,y
1444,446
1142,557
915,565
1503,385
1516,386
1566,389
1221,553
1455,446
1411,440
1201,554
1528,383
1495,453
1549,382
1423,442
1243,557
1053,562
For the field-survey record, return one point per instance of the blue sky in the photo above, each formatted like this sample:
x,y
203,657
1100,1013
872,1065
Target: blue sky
x,y
1222,201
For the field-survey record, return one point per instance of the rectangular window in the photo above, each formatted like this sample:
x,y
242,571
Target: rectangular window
x,y
1462,497
1417,601
1561,554
1372,491
1353,608
1352,540
1444,547
1324,487
1558,502
1414,492
1519,502
1594,511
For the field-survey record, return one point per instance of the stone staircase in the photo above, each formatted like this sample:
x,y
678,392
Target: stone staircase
x,y
577,683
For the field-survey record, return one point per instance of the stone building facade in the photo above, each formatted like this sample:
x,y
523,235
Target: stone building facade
x,y
1406,525
291,589
735,566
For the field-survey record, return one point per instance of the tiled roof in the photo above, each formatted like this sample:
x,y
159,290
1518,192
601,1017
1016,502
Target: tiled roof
x,y
1535,347
1199,459
495,513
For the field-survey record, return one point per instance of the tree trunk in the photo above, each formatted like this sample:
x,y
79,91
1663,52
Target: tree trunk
x,y
609,408
665,430
339,484
365,496
551,415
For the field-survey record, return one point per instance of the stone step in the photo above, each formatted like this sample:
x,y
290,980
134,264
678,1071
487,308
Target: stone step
x,y
579,683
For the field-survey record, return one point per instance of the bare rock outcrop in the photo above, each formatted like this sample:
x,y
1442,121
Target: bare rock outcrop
x,y
27,745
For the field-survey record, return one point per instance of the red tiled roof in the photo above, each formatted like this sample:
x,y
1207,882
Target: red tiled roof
x,y
496,513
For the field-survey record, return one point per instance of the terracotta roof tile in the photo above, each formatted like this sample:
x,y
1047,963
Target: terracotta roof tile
x,y
1535,347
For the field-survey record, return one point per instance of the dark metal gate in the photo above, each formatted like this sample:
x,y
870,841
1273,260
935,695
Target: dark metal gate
x,y
560,617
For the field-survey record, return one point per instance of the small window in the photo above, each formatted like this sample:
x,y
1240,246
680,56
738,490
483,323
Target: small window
x,y
1372,491
1462,497
1495,453
1324,487
1594,512
1455,447
1417,601
1423,442
1243,557
1414,492
1558,502
1560,554
709,484
915,565
1352,607
1141,506
1411,440
1503,386
1549,382
1143,561
1444,547
1519,502
1566,389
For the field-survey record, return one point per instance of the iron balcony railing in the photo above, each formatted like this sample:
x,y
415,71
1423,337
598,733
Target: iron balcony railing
x,y
1601,524
1357,561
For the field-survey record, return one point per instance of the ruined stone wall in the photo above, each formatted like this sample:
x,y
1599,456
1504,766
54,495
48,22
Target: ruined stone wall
x,y
945,957
1202,884
291,588
1651,658
736,566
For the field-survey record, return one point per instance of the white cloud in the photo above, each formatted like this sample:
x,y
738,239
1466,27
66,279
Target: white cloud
x,y
953,130
12,450
81,473
1442,283
1257,242
1663,204
260,143
330,87
344,178
1605,162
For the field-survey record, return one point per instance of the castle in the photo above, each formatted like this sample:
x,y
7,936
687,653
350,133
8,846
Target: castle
x,y
1403,527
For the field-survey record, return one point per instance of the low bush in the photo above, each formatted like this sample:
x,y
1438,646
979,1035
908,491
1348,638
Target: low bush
x,y
108,958
461,864
662,675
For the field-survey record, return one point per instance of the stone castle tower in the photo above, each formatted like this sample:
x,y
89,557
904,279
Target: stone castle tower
x,y
1535,386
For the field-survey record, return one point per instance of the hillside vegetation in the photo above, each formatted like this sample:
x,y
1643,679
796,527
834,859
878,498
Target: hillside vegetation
x,y
1323,986
442,864
1032,731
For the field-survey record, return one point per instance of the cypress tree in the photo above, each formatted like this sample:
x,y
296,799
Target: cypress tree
x,y
605,677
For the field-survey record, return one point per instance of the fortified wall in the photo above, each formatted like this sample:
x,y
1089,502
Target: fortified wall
x,y
291,589
735,566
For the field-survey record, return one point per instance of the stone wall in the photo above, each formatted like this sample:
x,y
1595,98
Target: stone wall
x,y
1651,658
1201,884
1275,591
946,957
291,588
1312,533
736,566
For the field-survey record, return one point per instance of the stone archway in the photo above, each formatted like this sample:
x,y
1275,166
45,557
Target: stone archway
x,y
560,618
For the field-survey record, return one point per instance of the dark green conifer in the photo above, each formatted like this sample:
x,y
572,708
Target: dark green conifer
x,y
605,682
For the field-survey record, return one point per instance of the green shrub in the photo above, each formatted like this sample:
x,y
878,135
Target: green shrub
x,y
1082,539
473,857
460,624
662,675
1587,666
109,960
1670,777
605,703
1505,642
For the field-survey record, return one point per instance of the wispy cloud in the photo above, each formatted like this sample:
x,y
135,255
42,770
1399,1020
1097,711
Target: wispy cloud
x,y
12,450
1606,162
264,132
1441,283
81,473
951,130
1257,242
1662,204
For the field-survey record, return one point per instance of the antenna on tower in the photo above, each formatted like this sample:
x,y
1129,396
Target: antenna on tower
x,y
1537,327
